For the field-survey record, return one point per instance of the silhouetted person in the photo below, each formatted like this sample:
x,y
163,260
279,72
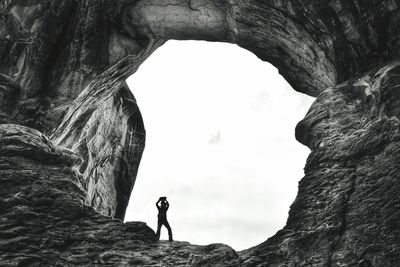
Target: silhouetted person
x,y
162,206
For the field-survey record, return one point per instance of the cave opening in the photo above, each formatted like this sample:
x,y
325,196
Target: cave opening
x,y
220,143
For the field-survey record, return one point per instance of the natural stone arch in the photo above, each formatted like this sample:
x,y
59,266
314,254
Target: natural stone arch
x,y
61,57
230,88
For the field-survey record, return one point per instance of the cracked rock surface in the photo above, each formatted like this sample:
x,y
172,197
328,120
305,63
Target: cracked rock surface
x,y
45,221
347,205
72,136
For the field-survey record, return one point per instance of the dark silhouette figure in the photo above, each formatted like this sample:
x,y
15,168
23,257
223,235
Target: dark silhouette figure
x,y
162,206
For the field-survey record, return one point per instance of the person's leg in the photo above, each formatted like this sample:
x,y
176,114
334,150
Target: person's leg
x,y
159,224
169,230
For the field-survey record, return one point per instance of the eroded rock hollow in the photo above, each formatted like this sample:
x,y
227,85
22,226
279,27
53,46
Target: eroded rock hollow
x,y
72,136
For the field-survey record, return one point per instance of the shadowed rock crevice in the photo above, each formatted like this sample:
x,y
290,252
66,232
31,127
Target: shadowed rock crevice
x,y
63,71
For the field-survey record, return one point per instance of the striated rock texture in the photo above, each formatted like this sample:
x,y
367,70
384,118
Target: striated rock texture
x,y
347,207
313,43
72,135
45,221
104,125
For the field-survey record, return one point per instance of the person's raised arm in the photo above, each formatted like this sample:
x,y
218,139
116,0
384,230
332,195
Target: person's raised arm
x,y
167,204
158,202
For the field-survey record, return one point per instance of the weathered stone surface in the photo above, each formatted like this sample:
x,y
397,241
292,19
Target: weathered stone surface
x,y
45,222
63,70
314,44
54,55
105,127
8,97
348,203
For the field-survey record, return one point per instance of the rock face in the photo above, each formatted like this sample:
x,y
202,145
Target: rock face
x,y
45,221
72,135
347,205
105,127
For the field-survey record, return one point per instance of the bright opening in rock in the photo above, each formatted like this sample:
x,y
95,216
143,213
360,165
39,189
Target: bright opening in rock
x,y
220,144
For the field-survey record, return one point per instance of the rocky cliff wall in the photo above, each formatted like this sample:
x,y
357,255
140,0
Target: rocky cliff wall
x,y
72,135
346,209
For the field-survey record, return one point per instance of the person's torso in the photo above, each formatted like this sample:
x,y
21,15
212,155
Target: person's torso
x,y
162,212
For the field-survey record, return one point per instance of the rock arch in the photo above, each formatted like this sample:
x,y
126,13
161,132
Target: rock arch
x,y
64,64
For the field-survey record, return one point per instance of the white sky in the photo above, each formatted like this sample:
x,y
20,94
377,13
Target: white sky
x,y
220,144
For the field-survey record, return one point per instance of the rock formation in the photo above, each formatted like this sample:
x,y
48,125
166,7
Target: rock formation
x,y
72,135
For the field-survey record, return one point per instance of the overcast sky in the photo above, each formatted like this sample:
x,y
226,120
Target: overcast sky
x,y
220,144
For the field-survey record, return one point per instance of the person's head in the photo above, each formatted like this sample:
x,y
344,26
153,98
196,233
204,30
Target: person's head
x,y
163,203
